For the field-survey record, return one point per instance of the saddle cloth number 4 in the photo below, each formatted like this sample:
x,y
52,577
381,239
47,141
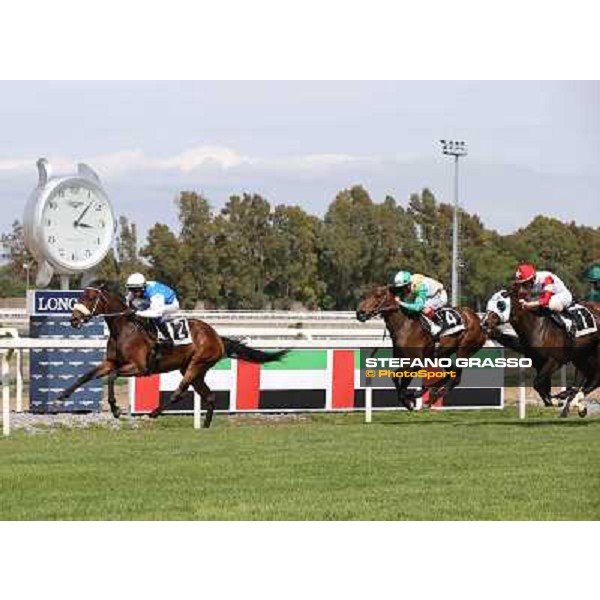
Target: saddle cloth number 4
x,y
450,318
452,321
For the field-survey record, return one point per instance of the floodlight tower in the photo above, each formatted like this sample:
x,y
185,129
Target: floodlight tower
x,y
456,149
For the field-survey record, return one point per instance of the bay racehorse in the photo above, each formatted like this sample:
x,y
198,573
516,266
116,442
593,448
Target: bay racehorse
x,y
411,340
131,345
542,340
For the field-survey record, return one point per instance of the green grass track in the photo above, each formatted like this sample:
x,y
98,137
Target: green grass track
x,y
454,466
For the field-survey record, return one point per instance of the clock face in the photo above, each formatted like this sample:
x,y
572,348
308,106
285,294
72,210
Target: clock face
x,y
76,225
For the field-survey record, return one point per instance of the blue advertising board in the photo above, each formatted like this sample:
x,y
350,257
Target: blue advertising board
x,y
51,302
54,369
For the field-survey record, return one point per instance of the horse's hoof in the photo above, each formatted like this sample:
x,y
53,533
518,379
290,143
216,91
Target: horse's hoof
x,y
582,412
564,413
116,412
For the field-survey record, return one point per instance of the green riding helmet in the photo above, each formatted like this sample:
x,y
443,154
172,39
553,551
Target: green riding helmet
x,y
402,278
593,273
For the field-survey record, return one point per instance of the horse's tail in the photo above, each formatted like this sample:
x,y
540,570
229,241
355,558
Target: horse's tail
x,y
235,349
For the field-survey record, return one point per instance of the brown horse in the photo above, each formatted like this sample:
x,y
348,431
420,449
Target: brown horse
x,y
131,346
411,340
548,346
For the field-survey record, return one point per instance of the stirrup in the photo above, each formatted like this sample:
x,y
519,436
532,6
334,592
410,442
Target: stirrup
x,y
430,325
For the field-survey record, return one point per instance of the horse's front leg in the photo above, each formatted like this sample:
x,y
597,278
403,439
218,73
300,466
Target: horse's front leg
x,y
445,385
189,375
587,379
405,396
104,368
112,399
127,370
542,382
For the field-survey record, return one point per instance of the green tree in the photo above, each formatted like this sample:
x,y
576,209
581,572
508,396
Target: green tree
x,y
18,259
550,244
588,239
127,247
198,249
163,252
292,260
110,269
486,266
395,245
244,242
346,248
433,223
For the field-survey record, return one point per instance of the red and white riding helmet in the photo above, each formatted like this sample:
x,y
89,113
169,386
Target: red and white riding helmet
x,y
525,272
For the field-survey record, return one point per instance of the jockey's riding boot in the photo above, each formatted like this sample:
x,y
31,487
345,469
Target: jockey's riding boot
x,y
430,325
571,329
568,326
159,346
167,342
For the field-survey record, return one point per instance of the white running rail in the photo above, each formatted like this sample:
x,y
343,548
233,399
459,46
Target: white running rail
x,y
264,337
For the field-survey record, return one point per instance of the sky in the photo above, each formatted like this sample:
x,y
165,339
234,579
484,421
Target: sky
x,y
534,147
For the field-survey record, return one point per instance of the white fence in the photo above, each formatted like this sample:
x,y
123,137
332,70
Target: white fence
x,y
19,315
263,337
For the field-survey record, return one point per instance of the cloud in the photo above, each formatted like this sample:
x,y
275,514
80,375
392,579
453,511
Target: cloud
x,y
11,164
197,159
505,196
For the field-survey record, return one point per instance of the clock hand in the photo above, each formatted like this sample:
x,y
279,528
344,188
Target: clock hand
x,y
78,221
85,225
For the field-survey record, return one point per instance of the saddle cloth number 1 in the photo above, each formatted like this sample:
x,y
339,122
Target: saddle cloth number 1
x,y
584,320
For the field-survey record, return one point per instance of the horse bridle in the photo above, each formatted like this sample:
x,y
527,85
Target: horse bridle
x,y
88,314
381,309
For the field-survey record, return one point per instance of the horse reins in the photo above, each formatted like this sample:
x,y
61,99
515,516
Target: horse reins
x,y
377,313
86,312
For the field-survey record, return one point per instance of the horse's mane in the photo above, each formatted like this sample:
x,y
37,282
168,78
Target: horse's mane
x,y
109,286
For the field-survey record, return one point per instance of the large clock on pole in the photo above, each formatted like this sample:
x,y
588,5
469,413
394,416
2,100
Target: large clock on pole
x,y
69,223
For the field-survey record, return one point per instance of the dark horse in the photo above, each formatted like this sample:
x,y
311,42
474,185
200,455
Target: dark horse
x,y
131,344
411,340
542,340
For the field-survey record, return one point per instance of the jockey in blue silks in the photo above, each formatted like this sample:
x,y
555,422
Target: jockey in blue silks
x,y
161,303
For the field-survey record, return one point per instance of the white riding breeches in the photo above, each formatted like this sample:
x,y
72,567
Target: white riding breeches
x,y
159,309
560,301
170,310
437,301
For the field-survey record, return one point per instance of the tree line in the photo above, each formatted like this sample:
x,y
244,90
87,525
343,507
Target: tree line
x,y
252,255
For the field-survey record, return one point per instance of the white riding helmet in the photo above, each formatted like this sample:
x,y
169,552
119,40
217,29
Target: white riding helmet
x,y
136,280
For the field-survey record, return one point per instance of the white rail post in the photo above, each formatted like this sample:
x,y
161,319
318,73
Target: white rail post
x,y
5,395
19,367
522,400
131,393
368,404
197,411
